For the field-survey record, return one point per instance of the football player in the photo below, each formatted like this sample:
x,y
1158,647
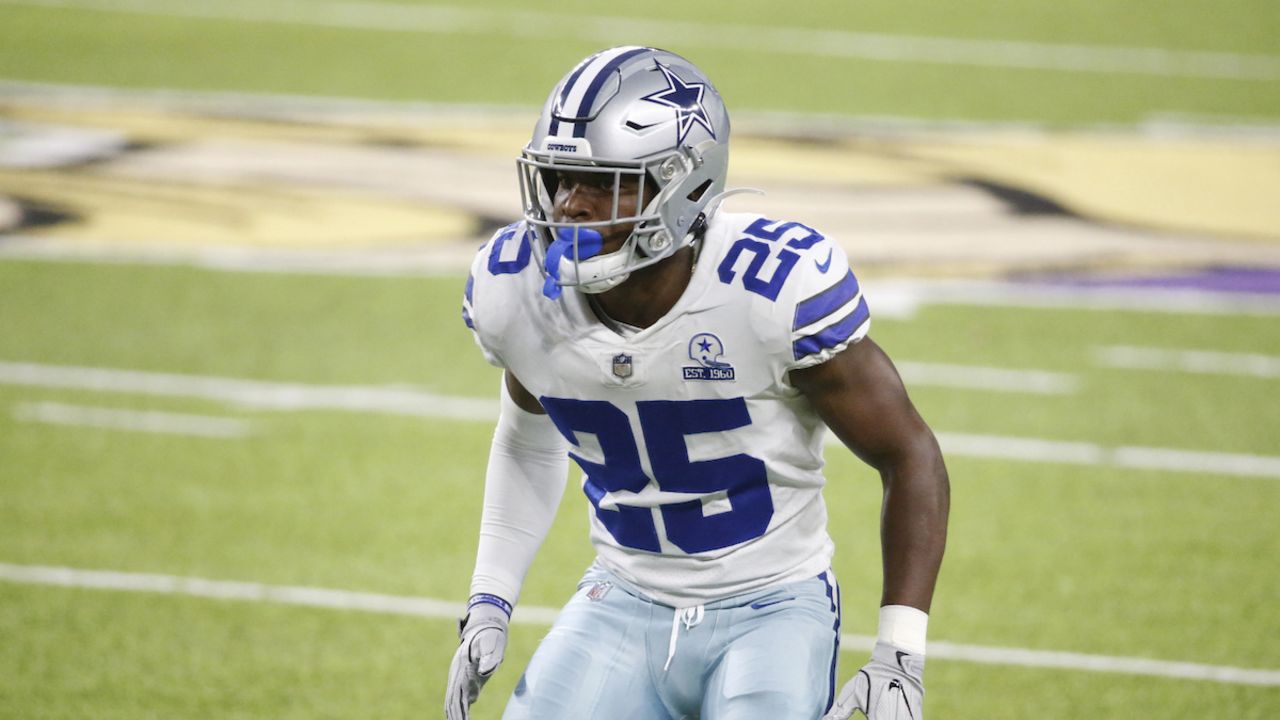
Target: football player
x,y
689,360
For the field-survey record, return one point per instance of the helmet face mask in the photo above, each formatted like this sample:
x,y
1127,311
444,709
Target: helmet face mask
x,y
628,115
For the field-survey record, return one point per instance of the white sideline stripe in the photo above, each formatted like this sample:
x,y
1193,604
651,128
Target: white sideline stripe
x,y
1127,456
1102,663
1146,458
262,394
258,394
1034,296
1189,361
1024,449
977,377
449,20
533,615
142,421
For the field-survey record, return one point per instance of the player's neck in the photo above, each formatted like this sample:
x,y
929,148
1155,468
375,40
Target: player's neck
x,y
650,292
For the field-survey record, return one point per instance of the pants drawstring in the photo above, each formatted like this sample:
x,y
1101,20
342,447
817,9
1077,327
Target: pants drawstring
x,y
690,616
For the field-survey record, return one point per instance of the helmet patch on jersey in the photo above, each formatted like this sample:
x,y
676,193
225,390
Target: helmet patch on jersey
x,y
706,350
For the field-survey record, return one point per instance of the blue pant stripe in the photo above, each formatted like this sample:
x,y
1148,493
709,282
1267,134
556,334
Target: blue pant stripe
x,y
833,594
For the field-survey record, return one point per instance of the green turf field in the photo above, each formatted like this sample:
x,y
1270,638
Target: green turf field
x,y
509,53
1097,558
1165,565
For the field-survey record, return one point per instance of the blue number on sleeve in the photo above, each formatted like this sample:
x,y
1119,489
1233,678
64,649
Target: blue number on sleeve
x,y
760,228
751,279
621,472
497,265
772,231
742,477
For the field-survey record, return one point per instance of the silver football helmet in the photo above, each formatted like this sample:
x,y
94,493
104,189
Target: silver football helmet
x,y
627,113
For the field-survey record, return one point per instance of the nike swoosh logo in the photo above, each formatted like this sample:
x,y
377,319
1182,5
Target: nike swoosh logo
x,y
825,264
901,655
766,603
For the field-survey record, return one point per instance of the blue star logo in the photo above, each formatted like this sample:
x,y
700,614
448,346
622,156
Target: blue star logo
x,y
705,345
686,99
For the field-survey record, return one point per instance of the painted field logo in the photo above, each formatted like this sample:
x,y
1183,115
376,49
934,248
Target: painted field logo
x,y
706,349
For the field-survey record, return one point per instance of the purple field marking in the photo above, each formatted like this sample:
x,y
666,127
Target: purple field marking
x,y
1265,281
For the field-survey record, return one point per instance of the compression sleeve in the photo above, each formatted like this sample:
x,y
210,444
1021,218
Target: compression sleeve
x,y
528,463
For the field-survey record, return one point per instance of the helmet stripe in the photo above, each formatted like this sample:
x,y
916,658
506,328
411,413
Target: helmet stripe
x,y
563,100
589,98
584,83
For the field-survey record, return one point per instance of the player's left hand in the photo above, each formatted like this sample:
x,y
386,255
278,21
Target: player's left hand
x,y
484,641
889,687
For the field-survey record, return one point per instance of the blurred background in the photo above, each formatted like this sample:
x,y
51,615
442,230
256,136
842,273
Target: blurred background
x,y
243,428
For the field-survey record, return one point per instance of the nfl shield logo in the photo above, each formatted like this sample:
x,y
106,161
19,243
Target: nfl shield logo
x,y
599,590
622,365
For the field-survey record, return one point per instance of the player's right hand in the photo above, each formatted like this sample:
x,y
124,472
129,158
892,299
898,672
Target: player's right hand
x,y
889,687
484,640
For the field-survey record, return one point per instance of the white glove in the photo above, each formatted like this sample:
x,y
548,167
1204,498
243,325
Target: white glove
x,y
484,640
889,687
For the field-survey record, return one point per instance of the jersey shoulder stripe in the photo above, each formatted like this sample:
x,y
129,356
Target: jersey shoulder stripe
x,y
838,333
825,303
827,311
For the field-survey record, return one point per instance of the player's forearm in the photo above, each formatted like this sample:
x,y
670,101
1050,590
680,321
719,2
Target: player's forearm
x,y
913,527
523,485
520,505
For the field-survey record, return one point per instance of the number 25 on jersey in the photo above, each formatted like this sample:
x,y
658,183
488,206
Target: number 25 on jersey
x,y
741,478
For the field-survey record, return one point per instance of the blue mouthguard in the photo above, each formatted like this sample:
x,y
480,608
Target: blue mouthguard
x,y
590,242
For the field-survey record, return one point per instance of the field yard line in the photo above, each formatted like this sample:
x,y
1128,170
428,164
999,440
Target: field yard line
x,y
1126,456
978,377
533,615
1010,448
136,420
1102,663
262,394
1190,361
1145,458
296,396
1038,296
455,20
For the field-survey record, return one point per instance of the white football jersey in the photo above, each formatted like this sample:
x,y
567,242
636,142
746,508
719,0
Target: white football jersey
x,y
701,463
